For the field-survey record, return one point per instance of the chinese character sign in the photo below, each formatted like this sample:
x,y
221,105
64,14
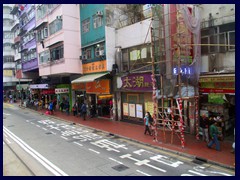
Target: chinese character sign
x,y
137,82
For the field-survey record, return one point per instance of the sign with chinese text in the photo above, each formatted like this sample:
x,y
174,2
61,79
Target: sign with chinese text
x,y
217,84
61,90
137,82
98,66
99,86
78,86
8,73
48,91
38,86
132,112
125,109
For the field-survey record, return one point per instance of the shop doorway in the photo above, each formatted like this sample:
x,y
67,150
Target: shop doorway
x,y
104,105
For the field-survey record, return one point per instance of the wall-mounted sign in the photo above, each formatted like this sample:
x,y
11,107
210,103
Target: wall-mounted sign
x,y
132,110
78,86
61,90
137,82
98,66
125,109
38,86
139,109
48,91
99,86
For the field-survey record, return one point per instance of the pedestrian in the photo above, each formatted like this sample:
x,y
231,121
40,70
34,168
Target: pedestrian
x,y
204,123
74,108
61,106
214,136
67,106
147,124
51,107
84,111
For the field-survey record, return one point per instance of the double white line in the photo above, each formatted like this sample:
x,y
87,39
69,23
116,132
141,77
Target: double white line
x,y
46,163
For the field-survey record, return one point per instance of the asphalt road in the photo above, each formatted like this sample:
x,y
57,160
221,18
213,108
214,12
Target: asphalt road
x,y
37,145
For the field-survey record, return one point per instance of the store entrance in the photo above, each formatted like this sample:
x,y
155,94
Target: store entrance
x,y
104,105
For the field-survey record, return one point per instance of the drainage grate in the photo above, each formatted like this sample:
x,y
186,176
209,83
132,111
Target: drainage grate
x,y
11,126
197,162
120,167
48,133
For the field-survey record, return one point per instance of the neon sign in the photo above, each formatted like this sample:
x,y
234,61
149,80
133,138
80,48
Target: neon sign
x,y
182,70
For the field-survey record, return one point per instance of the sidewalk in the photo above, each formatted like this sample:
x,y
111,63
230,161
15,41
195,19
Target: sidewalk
x,y
193,148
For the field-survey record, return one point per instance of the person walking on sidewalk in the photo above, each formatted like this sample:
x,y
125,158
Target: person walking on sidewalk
x,y
214,136
84,110
204,123
75,108
147,123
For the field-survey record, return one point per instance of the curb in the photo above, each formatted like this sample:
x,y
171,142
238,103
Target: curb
x,y
143,143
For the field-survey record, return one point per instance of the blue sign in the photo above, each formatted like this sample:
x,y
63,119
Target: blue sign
x,y
182,70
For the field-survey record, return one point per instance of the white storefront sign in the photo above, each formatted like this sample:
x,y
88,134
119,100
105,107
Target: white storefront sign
x,y
61,90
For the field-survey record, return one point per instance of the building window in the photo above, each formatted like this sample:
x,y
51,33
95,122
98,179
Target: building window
x,y
55,26
8,59
56,53
136,57
44,57
31,14
231,40
87,53
41,11
7,47
7,35
97,21
99,50
86,25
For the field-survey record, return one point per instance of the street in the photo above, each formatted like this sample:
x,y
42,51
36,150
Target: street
x,y
44,146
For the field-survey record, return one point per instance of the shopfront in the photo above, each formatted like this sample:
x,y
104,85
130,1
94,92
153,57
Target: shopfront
x,y
79,91
217,100
63,92
98,94
136,96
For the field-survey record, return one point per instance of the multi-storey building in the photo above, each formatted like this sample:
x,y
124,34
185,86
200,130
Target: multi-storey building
x,y
217,80
98,47
58,47
9,79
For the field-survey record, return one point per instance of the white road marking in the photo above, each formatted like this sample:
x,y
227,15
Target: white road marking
x,y
3,143
32,123
5,135
140,151
78,143
38,126
142,162
115,160
6,114
46,163
94,151
44,129
53,133
194,172
27,120
9,142
64,137
202,169
143,173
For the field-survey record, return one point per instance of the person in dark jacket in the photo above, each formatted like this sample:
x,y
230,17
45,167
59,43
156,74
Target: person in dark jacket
x,y
204,123
84,111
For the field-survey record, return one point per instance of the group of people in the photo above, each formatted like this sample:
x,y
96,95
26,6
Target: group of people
x,y
80,108
210,132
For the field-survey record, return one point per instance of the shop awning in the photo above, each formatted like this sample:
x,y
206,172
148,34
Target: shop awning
x,y
89,78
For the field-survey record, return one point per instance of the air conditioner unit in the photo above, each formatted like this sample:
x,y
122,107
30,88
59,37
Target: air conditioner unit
x,y
59,17
83,57
99,13
101,53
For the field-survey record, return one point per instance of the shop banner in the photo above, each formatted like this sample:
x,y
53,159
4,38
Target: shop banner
x,y
38,86
61,90
137,82
48,91
149,107
99,66
100,86
78,86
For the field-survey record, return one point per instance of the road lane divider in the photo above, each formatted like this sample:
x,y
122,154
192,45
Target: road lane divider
x,y
45,162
